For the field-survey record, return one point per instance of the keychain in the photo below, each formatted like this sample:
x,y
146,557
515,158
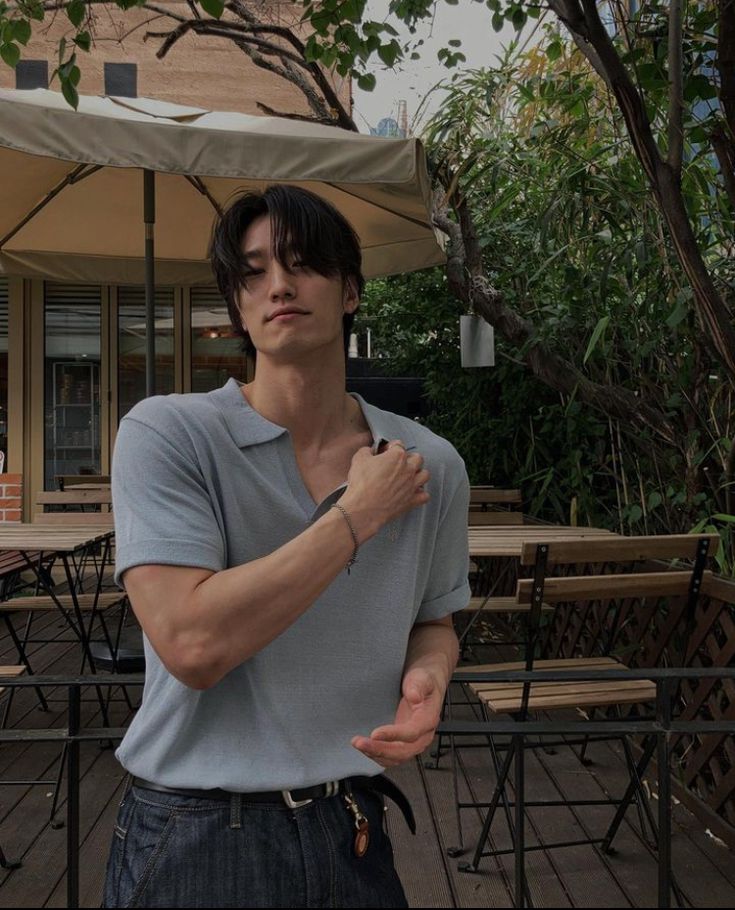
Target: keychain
x,y
362,826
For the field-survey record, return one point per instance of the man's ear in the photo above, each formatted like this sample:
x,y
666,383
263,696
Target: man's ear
x,y
351,299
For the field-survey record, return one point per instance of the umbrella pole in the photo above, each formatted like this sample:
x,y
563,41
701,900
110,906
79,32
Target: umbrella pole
x,y
149,216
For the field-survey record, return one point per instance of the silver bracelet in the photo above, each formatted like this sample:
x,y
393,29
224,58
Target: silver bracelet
x,y
353,560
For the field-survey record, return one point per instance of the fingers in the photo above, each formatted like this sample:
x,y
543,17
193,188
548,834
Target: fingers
x,y
392,444
405,733
390,753
415,460
362,453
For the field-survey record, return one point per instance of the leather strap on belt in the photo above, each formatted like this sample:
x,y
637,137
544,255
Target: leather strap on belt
x,y
293,798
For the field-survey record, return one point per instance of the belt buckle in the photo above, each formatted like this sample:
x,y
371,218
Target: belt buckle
x,y
294,803
331,788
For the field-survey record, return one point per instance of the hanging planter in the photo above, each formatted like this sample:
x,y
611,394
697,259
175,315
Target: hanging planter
x,y
476,342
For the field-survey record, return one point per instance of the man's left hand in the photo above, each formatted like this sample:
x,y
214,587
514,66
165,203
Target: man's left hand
x,y
417,717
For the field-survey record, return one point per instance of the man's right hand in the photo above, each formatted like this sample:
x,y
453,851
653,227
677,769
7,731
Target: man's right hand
x,y
382,487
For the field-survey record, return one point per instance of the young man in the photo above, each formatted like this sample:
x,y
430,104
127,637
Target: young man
x,y
279,685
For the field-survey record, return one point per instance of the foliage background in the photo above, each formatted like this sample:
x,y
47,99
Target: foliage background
x,y
572,239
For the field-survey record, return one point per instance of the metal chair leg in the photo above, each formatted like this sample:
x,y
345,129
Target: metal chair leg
x,y
8,864
650,747
472,866
53,821
23,657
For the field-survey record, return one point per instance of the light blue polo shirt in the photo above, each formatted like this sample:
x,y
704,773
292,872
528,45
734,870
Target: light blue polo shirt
x,y
204,480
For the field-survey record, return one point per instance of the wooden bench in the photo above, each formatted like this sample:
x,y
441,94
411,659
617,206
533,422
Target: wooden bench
x,y
506,698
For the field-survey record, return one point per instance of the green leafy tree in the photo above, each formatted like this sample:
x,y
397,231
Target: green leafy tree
x,y
664,65
573,242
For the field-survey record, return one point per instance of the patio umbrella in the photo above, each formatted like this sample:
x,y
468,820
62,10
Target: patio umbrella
x,y
78,188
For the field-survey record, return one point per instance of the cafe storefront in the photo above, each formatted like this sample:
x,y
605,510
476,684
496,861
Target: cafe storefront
x,y
72,364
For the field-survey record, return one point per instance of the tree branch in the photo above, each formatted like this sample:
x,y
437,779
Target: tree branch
x,y
271,112
455,267
571,15
676,89
466,278
343,117
218,29
56,6
239,32
560,374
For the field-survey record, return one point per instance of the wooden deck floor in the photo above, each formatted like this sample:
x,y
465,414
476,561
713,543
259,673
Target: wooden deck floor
x,y
571,877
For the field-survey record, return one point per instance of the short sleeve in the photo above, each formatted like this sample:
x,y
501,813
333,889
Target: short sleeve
x,y
162,508
448,589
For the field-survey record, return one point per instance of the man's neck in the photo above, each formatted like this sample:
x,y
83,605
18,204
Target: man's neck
x,y
309,401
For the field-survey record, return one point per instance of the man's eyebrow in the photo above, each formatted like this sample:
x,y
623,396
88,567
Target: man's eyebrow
x,y
253,254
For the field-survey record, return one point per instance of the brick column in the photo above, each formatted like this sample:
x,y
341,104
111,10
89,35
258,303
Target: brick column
x,y
11,493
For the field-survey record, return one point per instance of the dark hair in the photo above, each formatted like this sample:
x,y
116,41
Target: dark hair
x,y
304,226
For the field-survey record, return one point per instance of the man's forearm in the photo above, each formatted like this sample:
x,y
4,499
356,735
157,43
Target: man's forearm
x,y
433,646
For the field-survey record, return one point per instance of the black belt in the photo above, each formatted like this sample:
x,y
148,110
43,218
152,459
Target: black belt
x,y
294,799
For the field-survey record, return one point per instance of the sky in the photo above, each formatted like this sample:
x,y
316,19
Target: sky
x,y
468,22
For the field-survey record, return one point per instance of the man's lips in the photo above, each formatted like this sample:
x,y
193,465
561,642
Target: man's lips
x,y
285,314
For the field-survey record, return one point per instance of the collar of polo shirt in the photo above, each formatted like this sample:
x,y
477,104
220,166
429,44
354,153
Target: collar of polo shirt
x,y
248,428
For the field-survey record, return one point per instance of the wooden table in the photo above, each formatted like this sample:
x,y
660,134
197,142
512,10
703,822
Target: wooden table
x,y
41,546
508,540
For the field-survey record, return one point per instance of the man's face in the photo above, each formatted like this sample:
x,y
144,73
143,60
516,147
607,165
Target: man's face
x,y
287,308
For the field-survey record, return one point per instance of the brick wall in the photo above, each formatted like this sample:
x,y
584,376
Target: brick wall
x,y
11,490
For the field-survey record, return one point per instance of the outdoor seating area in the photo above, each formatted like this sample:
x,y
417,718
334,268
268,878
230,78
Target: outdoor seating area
x,y
295,278
569,812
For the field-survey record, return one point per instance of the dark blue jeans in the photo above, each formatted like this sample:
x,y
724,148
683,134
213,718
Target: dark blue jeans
x,y
177,851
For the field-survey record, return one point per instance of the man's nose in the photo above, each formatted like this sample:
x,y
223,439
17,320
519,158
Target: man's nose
x,y
282,282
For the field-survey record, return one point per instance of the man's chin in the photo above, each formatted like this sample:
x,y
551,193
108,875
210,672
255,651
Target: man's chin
x,y
299,350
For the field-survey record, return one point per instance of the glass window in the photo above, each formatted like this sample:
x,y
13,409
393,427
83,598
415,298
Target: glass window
x,y
216,351
121,79
131,345
72,381
3,374
31,74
